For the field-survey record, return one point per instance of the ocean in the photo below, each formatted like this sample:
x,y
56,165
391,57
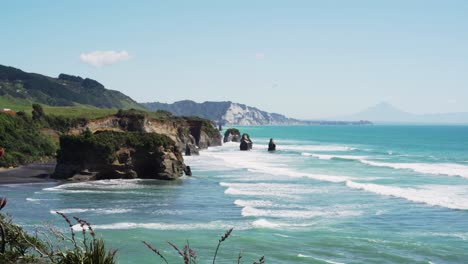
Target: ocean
x,y
329,194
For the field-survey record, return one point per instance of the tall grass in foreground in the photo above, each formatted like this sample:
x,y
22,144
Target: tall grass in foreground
x,y
189,255
51,245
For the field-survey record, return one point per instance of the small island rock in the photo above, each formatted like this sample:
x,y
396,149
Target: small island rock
x,y
232,135
246,143
271,145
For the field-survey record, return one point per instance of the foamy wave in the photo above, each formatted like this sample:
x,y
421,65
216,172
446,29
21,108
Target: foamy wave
x,y
319,259
38,200
263,223
268,189
453,197
329,157
315,147
296,214
99,211
462,236
436,168
251,161
216,225
99,186
256,203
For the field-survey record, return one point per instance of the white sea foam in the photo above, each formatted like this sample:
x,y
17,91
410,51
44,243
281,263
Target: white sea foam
x,y
38,200
102,185
329,261
462,236
268,189
315,147
267,204
320,259
296,214
259,162
98,211
256,203
281,235
453,197
263,223
78,227
216,225
329,157
436,168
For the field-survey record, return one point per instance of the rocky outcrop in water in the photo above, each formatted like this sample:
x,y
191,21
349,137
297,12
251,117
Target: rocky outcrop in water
x,y
232,135
246,143
271,145
119,155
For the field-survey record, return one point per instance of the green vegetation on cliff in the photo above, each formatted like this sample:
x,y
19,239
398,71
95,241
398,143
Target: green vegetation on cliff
x,y
102,146
232,131
22,141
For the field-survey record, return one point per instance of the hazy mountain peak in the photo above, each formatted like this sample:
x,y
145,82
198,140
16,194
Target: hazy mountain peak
x,y
386,112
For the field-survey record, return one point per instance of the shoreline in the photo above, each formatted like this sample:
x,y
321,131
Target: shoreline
x,y
30,173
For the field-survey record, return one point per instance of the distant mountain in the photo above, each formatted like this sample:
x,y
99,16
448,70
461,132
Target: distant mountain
x,y
385,112
223,112
229,113
66,90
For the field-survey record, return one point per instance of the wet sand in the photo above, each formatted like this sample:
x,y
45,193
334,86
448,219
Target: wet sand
x,y
31,173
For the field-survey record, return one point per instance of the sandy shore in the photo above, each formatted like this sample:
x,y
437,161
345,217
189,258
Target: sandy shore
x,y
30,173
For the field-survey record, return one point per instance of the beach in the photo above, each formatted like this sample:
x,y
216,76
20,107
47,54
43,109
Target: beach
x,y
31,173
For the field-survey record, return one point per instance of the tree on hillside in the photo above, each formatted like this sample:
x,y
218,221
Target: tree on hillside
x,y
37,112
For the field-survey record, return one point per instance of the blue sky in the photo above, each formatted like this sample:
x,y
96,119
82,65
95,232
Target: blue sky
x,y
305,59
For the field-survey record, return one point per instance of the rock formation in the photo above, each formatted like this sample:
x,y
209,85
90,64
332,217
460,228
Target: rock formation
x,y
197,132
132,145
191,149
123,155
246,143
271,145
232,135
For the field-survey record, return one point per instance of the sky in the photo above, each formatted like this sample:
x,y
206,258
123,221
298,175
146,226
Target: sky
x,y
305,59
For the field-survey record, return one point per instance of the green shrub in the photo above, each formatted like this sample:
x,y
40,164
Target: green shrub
x,y
22,141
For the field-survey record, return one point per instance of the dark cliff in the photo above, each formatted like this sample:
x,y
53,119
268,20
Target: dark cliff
x,y
182,130
127,155
131,145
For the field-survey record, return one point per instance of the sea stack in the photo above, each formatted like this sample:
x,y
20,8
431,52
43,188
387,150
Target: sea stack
x,y
246,143
232,135
271,145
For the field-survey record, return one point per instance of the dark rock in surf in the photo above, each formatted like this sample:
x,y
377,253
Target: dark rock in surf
x,y
246,143
188,171
271,145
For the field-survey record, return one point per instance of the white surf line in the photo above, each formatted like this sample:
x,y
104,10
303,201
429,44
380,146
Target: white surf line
x,y
450,169
438,195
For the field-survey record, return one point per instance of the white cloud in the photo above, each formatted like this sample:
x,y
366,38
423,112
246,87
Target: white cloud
x,y
259,55
100,58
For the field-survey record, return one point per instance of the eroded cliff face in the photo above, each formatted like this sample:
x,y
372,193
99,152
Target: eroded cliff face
x,y
199,133
133,146
119,155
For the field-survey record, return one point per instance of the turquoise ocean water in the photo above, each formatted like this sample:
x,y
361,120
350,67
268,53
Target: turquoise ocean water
x,y
329,194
